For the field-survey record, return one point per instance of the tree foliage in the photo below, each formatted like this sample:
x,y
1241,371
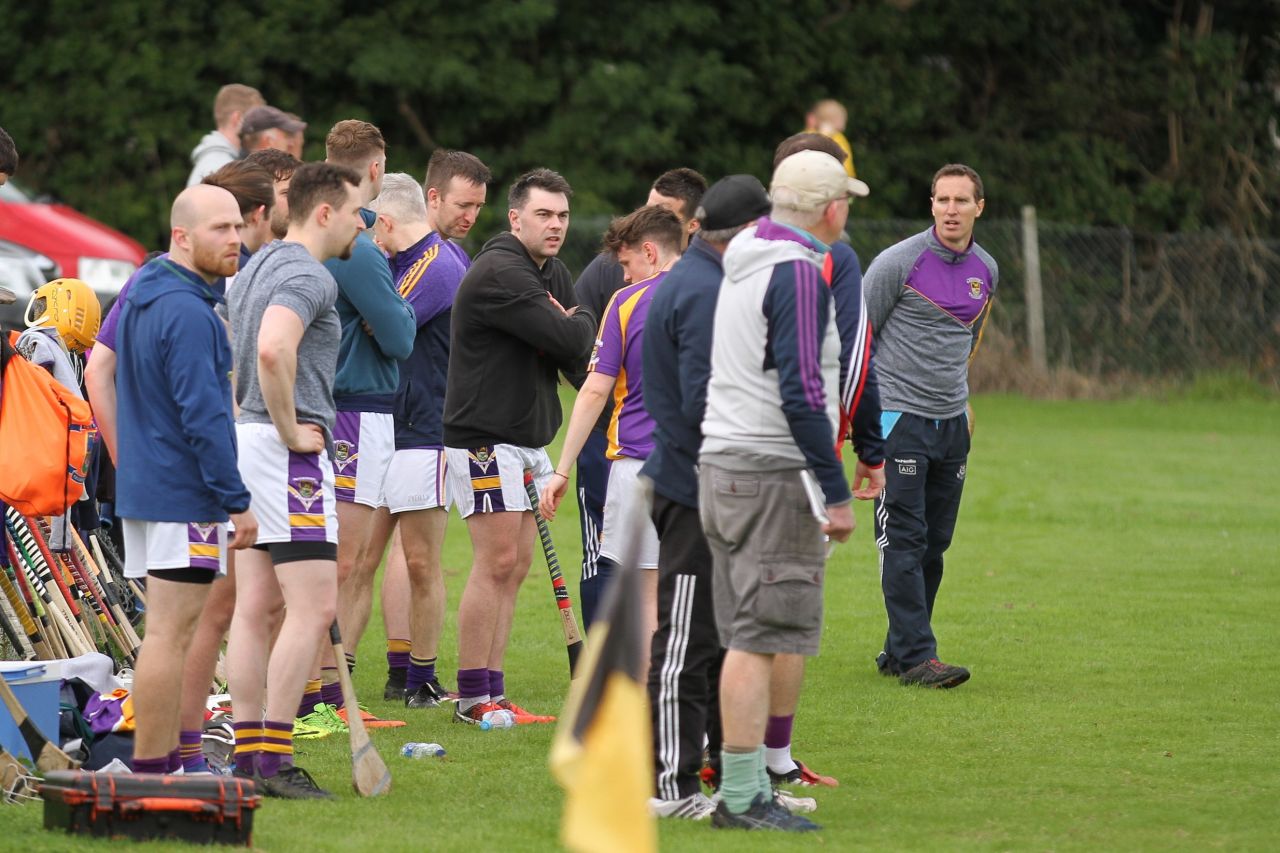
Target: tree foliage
x,y
1147,114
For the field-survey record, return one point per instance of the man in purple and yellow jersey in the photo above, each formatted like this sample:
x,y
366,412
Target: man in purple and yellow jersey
x,y
646,243
679,191
417,232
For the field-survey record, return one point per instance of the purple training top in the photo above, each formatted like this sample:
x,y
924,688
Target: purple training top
x,y
618,353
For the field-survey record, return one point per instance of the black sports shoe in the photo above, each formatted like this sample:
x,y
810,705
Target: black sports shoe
x,y
764,813
292,783
935,673
396,679
424,697
887,667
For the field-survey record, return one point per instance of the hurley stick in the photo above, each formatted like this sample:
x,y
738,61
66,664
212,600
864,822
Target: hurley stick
x,y
568,622
369,774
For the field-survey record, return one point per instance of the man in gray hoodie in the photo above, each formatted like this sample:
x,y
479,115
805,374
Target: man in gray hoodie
x,y
220,147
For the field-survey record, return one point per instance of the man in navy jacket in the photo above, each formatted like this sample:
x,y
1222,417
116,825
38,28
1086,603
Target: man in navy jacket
x,y
178,483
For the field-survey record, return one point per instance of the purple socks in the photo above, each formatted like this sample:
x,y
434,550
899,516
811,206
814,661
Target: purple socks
x,y
420,672
777,734
497,689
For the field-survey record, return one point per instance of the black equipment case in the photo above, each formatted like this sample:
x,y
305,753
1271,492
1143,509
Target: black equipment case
x,y
203,809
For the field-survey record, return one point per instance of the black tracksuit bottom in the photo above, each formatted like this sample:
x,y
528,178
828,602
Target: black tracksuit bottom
x,y
915,518
684,666
593,482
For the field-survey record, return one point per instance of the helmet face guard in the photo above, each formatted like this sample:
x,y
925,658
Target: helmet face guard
x,y
70,307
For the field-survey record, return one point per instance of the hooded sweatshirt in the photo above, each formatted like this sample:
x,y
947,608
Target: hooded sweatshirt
x,y
177,444
211,153
507,343
774,392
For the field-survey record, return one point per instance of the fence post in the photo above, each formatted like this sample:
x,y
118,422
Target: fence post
x,y
1034,294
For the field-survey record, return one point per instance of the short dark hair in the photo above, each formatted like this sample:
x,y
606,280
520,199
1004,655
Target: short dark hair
x,y
958,170
8,154
352,142
684,184
281,164
807,141
543,179
445,165
651,222
315,184
251,184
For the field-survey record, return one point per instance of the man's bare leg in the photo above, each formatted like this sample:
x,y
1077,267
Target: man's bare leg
x,y
355,595
173,608
744,708
422,534
258,597
201,663
395,618
310,592
495,544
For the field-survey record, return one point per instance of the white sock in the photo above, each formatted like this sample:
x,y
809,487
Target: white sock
x,y
779,760
470,702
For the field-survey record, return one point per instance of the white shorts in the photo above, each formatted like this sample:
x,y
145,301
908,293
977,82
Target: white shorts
x,y
292,493
416,480
491,479
628,526
363,443
151,545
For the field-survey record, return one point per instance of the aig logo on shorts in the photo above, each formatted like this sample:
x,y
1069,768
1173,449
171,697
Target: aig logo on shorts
x,y
906,467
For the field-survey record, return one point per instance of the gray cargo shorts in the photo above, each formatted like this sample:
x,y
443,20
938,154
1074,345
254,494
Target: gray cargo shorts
x,y
768,557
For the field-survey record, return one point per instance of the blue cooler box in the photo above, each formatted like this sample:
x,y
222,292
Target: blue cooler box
x,y
36,685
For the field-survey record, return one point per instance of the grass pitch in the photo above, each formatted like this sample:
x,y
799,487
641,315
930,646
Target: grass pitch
x,y
1113,586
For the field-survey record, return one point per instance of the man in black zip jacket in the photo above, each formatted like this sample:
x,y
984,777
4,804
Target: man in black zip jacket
x,y
516,326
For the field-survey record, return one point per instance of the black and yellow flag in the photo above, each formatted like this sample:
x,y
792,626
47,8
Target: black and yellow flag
x,y
603,750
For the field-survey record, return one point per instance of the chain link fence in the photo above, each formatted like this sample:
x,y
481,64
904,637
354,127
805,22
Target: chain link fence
x,y
1119,308
1122,306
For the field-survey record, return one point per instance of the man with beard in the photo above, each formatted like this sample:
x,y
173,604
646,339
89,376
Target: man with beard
x,y
178,484
285,336
417,233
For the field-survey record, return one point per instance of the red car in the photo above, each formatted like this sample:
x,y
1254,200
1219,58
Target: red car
x,y
41,241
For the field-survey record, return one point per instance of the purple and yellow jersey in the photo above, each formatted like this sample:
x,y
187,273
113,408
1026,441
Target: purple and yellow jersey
x,y
427,275
618,353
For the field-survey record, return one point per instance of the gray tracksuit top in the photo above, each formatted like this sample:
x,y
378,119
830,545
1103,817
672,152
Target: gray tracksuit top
x,y
927,306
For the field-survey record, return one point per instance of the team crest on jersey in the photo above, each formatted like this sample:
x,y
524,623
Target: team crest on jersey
x,y
342,455
307,491
975,287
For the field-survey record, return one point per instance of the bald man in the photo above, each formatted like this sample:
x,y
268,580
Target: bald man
x,y
177,483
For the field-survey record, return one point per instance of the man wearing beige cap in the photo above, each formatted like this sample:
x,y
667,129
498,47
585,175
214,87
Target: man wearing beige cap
x,y
269,127
771,489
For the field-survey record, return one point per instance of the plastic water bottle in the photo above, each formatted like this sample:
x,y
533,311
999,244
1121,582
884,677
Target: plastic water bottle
x,y
422,750
499,719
